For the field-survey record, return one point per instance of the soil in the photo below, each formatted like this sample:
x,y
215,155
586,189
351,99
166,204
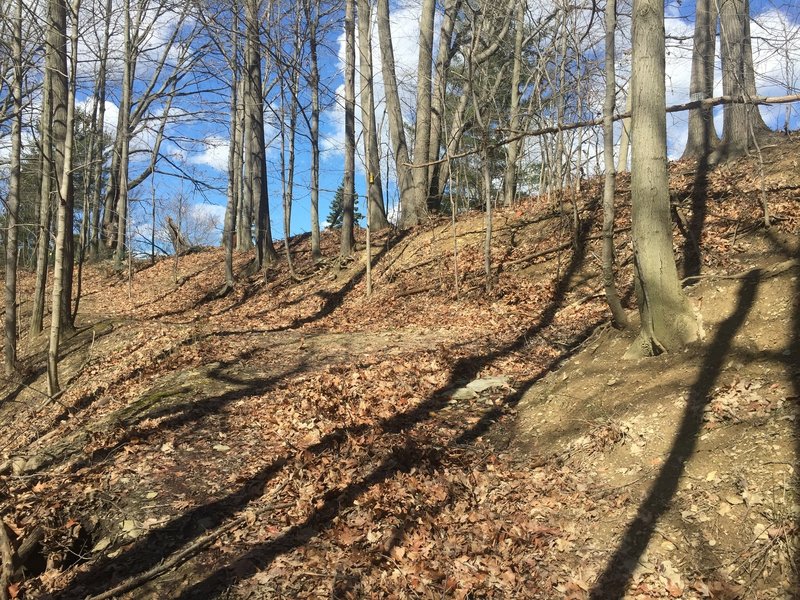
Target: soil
x,y
298,439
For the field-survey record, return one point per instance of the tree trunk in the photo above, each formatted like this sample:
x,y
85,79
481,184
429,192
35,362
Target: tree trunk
x,y
513,148
347,242
625,137
377,214
229,228
256,145
59,22
45,201
741,122
123,133
244,231
99,133
312,17
413,213
668,321
444,56
618,315
702,136
405,178
12,201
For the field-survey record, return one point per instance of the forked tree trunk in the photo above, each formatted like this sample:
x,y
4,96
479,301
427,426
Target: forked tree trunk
x,y
668,321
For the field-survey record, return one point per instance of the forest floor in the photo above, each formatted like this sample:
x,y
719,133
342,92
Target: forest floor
x,y
296,439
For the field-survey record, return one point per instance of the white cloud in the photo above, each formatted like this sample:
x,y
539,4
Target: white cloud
x,y
214,154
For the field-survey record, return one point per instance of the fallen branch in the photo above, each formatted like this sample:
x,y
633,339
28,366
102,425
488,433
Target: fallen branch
x,y
183,555
558,248
8,554
417,290
707,103
773,272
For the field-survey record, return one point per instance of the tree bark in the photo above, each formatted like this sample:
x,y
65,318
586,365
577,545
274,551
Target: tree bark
x,y
618,315
405,178
312,16
668,321
347,241
12,201
414,212
45,200
123,133
59,21
625,137
229,228
741,122
377,214
702,137
444,56
512,150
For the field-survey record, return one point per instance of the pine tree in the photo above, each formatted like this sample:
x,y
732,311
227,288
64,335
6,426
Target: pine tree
x,y
336,213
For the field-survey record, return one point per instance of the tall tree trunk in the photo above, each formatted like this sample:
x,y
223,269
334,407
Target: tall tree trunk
x,y
348,201
59,22
377,214
702,136
413,213
12,201
513,148
668,321
618,315
46,176
741,122
397,134
229,228
244,232
99,133
625,137
256,145
123,133
312,16
444,56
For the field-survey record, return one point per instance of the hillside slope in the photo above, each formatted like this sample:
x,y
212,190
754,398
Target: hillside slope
x,y
300,440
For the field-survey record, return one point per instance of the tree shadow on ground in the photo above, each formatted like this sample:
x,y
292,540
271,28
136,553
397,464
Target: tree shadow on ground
x,y
692,242
617,575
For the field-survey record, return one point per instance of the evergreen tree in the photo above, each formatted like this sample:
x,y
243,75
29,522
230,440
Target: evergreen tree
x,y
336,213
